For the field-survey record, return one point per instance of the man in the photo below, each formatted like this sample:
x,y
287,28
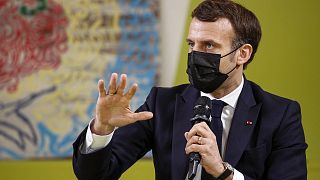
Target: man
x,y
262,135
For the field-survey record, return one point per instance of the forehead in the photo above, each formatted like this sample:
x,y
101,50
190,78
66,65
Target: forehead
x,y
220,31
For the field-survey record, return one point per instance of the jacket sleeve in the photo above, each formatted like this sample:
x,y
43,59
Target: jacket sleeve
x,y
128,144
287,160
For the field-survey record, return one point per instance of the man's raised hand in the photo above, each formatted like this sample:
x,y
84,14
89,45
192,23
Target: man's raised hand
x,y
113,106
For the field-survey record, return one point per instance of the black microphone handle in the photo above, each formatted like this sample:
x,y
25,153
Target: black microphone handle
x,y
194,160
202,111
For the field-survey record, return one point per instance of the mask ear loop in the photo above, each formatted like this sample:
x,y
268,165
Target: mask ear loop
x,y
232,69
231,51
229,54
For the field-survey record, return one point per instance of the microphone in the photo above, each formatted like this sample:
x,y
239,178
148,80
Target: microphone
x,y
201,113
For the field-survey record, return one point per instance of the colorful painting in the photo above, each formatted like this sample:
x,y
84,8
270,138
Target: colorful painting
x,y
53,52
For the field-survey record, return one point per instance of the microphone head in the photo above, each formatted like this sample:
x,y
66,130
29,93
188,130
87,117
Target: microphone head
x,y
203,108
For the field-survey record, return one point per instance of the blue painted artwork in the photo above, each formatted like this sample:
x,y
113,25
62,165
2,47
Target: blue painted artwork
x,y
53,55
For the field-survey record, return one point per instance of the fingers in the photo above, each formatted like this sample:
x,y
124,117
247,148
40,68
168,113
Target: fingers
x,y
129,118
113,89
200,129
101,88
113,84
140,116
122,84
199,144
133,117
131,92
197,140
195,148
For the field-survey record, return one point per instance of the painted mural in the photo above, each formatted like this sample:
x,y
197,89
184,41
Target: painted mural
x,y
53,52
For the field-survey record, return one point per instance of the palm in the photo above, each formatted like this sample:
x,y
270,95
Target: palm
x,y
114,109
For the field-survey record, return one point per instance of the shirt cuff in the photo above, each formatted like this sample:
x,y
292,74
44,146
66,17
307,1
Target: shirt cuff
x,y
237,175
95,142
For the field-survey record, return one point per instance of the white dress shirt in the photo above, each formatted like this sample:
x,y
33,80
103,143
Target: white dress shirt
x,y
95,142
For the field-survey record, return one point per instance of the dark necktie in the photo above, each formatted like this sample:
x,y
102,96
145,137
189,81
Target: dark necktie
x,y
216,123
217,129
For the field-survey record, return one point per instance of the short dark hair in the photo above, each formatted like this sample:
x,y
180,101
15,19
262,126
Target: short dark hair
x,y
244,22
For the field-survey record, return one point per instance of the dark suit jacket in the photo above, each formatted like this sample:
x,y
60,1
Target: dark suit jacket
x,y
272,148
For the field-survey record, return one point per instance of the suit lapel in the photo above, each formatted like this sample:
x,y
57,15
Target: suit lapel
x,y
181,124
243,123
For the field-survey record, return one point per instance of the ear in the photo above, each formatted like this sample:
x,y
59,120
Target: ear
x,y
245,52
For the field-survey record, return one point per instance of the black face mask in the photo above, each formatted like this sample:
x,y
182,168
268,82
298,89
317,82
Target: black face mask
x,y
203,70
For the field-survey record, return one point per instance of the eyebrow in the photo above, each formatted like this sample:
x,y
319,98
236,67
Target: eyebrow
x,y
189,40
205,41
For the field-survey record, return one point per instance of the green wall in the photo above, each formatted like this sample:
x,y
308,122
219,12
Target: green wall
x,y
62,170
287,61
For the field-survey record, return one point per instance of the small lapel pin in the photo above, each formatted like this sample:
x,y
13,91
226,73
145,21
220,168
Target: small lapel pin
x,y
249,123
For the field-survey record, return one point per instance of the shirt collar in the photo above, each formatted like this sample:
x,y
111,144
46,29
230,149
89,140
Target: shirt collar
x,y
232,98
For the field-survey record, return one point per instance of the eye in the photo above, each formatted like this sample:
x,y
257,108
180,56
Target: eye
x,y
209,46
190,44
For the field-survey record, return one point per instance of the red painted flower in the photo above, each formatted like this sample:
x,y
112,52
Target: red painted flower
x,y
31,42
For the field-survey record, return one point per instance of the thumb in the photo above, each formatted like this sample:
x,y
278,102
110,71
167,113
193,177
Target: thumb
x,y
140,116
186,136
